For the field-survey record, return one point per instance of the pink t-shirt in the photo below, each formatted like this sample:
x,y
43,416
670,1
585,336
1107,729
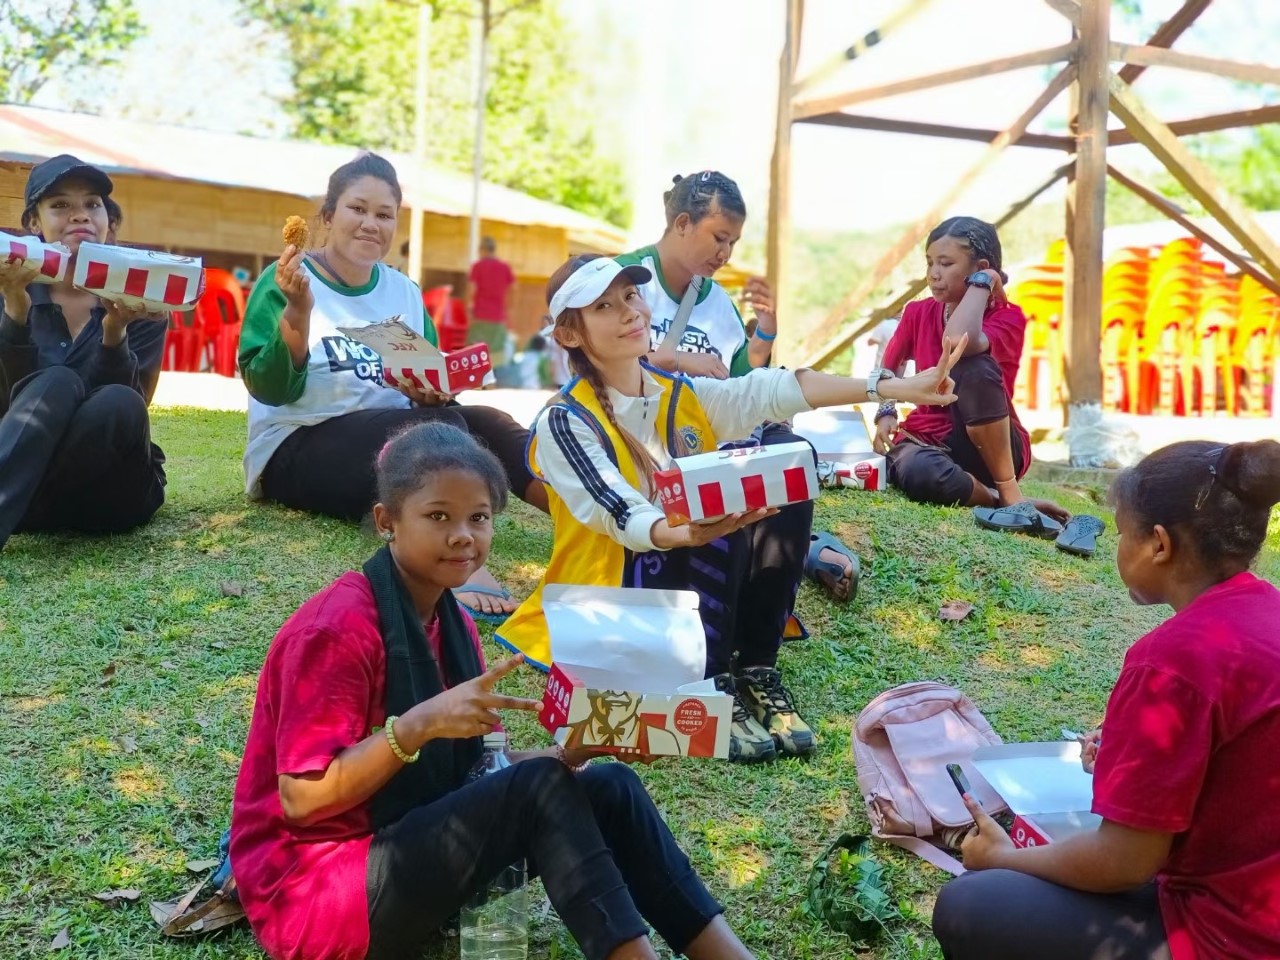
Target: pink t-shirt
x,y
1189,747
321,690
919,338
490,279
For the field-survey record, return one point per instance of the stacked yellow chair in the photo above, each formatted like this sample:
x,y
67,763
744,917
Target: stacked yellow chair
x,y
1125,280
1255,349
1155,362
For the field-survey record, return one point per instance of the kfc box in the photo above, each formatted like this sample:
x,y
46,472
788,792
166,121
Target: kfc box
x,y
868,473
410,357
142,279
1044,784
49,260
708,486
626,674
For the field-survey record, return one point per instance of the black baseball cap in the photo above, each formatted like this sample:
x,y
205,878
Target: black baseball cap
x,y
44,175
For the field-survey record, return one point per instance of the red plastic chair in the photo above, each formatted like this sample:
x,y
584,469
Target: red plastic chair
x,y
220,317
181,344
453,326
436,301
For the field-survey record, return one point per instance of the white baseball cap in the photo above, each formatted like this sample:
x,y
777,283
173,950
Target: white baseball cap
x,y
593,278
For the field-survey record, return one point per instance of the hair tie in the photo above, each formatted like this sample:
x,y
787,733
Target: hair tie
x,y
706,175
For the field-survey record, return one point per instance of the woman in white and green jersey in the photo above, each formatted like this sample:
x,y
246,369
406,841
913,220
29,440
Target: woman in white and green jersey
x,y
705,214
319,409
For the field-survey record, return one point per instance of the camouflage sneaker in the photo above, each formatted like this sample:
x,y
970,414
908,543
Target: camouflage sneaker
x,y
748,741
770,704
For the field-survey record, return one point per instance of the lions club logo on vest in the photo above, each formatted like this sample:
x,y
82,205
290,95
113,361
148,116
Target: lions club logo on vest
x,y
692,438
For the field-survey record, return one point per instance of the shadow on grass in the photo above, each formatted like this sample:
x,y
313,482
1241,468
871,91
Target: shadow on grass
x,y
128,677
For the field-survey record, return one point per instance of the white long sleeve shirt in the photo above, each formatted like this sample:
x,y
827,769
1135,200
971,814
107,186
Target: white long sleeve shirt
x,y
570,458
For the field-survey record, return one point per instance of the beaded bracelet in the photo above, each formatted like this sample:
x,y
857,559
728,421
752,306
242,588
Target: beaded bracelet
x,y
563,757
886,410
395,747
767,338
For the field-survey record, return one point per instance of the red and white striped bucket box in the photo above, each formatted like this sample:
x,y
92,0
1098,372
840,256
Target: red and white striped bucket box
x,y
711,485
144,279
48,259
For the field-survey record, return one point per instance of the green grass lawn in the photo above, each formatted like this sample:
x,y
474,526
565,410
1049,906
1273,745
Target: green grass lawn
x,y
128,675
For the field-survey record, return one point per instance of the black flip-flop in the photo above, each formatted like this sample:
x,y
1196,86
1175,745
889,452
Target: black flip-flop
x,y
815,566
1021,517
1080,535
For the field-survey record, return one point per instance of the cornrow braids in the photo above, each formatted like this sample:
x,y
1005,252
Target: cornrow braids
x,y
698,193
977,235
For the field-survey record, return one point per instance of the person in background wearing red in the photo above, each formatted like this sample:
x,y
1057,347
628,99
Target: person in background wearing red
x,y
973,453
1186,862
489,288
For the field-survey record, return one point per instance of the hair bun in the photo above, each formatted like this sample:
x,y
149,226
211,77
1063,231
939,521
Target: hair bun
x,y
1252,472
677,178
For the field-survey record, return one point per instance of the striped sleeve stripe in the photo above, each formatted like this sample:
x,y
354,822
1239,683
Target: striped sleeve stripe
x,y
588,475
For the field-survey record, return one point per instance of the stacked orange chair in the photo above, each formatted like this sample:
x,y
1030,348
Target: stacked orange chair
x,y
1156,364
1255,349
1038,291
1125,279
1207,357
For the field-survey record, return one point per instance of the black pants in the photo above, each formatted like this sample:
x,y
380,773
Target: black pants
x,y
328,468
746,582
606,859
76,459
1013,916
940,474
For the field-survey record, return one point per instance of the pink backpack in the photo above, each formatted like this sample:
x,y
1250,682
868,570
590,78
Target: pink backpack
x,y
902,743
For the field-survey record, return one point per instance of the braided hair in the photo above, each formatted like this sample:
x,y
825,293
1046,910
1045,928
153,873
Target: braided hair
x,y
978,236
413,454
699,193
571,321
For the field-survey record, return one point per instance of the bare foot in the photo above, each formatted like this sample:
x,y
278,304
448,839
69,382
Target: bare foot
x,y
484,602
842,586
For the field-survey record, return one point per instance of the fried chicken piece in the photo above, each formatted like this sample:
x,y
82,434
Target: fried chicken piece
x,y
296,233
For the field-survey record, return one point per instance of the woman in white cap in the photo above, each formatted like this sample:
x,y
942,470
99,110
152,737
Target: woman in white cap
x,y
598,445
76,376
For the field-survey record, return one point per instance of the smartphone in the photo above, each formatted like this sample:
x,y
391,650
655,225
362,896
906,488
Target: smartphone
x,y
960,780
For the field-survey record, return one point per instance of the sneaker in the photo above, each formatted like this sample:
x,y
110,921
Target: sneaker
x,y
748,741
770,704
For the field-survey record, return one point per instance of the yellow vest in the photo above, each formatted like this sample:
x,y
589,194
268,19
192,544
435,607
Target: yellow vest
x,y
579,554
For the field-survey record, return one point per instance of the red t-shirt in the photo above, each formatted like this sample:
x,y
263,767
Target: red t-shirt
x,y
1190,747
321,690
919,338
490,278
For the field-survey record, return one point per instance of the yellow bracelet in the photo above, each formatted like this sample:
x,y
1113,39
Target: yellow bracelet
x,y
395,747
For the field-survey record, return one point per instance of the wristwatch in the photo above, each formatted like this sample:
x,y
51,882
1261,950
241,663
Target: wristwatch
x,y
979,279
873,381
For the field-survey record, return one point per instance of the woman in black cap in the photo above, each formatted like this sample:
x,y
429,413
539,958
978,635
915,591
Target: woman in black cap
x,y
76,375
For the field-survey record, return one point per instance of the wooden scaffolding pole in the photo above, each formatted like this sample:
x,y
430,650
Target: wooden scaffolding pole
x,y
778,229
813,352
1192,174
1086,209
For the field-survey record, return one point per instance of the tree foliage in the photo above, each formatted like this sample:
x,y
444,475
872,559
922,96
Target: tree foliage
x,y
41,39
353,81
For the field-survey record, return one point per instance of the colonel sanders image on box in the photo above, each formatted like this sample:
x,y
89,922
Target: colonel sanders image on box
x,y
615,721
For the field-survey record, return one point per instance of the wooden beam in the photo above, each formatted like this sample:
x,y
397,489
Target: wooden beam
x,y
802,109
830,326
917,286
1068,8
1160,57
860,46
778,227
1220,121
1175,213
1043,141
1169,31
1082,313
1234,217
